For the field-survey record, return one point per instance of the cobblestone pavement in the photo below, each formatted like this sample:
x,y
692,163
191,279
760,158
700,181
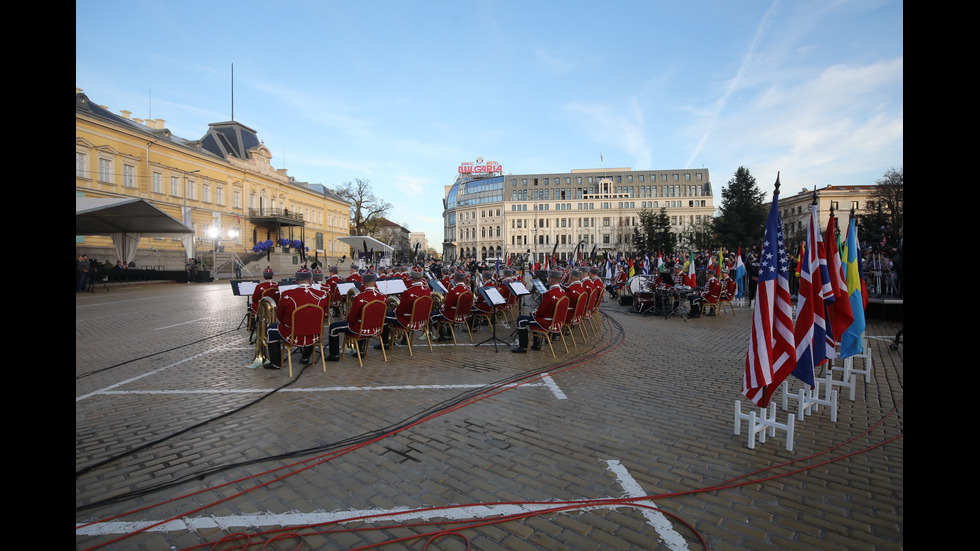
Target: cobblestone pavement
x,y
179,445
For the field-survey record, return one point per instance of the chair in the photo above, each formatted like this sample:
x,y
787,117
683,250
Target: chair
x,y
420,317
464,303
557,321
711,300
578,315
726,298
306,328
372,322
596,320
590,309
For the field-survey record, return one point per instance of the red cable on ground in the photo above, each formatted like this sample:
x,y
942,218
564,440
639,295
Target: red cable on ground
x,y
503,387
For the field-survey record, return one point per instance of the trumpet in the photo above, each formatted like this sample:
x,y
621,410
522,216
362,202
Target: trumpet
x,y
264,317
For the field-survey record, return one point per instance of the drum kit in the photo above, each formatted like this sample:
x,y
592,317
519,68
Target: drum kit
x,y
651,299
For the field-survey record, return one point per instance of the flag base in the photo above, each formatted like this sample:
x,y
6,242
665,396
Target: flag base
x,y
808,400
762,422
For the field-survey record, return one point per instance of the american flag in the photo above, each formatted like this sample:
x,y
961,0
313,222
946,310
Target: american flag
x,y
814,339
771,357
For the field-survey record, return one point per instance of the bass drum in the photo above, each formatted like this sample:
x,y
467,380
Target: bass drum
x,y
637,284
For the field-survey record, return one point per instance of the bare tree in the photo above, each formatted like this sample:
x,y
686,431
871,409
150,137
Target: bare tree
x,y
366,209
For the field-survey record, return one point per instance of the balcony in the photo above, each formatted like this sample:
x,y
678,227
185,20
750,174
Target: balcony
x,y
275,217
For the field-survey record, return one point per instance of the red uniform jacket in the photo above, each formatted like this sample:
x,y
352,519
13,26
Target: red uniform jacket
x,y
292,299
357,307
542,315
259,289
407,300
448,308
574,290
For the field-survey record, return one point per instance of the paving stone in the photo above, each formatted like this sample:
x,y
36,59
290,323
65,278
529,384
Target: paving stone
x,y
655,395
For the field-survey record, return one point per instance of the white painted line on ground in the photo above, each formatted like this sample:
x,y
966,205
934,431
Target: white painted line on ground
x,y
154,372
265,520
549,384
656,519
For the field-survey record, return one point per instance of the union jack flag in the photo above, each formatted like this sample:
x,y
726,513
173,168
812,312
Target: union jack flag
x,y
771,356
814,338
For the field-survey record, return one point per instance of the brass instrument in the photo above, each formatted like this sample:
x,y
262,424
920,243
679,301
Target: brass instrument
x,y
437,300
392,301
265,316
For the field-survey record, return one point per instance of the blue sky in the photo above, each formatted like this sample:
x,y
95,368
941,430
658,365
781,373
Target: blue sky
x,y
401,92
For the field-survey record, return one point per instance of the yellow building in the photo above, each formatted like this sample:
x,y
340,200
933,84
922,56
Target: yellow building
x,y
223,186
795,209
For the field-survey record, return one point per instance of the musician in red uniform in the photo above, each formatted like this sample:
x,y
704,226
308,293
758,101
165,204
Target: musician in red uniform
x,y
728,285
261,287
711,293
354,276
402,314
369,292
618,282
541,316
573,291
290,300
447,312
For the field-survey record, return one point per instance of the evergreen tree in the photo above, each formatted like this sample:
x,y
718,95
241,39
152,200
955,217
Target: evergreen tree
x,y
743,215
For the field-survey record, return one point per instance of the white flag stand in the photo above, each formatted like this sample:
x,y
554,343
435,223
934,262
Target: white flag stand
x,y
762,421
865,355
808,400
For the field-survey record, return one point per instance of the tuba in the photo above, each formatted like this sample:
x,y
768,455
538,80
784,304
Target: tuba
x,y
392,301
437,300
264,317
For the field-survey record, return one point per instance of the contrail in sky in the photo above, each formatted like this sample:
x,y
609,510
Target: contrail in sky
x,y
734,82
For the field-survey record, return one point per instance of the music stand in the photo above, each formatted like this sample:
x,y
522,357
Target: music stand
x,y
493,297
244,288
518,289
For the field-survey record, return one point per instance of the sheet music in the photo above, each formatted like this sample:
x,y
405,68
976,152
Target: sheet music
x,y
346,286
436,285
539,286
247,287
493,295
391,286
518,288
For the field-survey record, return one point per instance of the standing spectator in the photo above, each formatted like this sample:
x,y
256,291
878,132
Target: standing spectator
x,y
81,273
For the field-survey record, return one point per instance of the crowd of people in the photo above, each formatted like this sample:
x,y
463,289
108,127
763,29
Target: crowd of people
x,y
88,272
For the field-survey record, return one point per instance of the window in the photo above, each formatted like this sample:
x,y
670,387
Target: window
x,y
105,171
190,189
237,197
128,179
81,160
174,186
854,205
219,198
157,182
206,193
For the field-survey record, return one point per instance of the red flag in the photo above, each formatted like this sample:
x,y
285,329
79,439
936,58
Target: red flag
x,y
841,315
771,356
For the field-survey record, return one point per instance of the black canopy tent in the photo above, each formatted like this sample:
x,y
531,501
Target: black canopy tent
x,y
126,220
